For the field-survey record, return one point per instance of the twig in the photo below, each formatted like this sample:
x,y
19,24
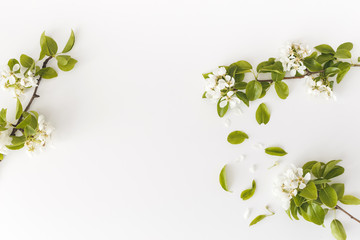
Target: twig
x,y
34,95
351,216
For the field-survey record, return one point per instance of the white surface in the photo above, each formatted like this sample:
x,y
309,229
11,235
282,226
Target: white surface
x,y
138,152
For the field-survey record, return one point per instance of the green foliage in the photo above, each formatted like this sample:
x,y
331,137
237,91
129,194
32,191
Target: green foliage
x,y
237,137
339,189
70,43
275,151
223,179
310,191
350,200
262,114
265,87
282,89
47,73
248,193
324,48
26,61
242,96
338,230
222,111
261,217
11,63
19,109
48,46
253,90
328,196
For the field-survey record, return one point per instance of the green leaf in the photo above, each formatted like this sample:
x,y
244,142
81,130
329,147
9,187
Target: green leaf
x,y
26,61
47,73
344,68
294,210
282,89
28,120
206,75
237,137
222,111
321,181
69,66
1,156
350,200
277,76
316,213
48,45
339,189
342,53
324,48
240,85
70,43
223,179
277,67
257,219
310,191
347,46
312,65
336,171
308,166
330,166
262,114
248,193
19,109
242,96
242,67
29,131
275,151
323,58
338,230
331,71
253,90
265,63
15,147
317,169
11,63
18,140
63,59
265,87
328,196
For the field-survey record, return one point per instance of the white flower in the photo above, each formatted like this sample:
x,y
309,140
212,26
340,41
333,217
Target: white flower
x,y
292,56
319,88
218,84
230,99
15,81
42,136
288,185
219,72
5,139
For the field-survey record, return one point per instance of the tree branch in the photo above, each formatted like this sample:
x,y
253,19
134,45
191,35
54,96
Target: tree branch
x,y
34,95
351,216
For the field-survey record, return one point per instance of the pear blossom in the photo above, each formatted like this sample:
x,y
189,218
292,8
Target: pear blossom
x,y
289,183
218,83
42,136
5,139
230,99
292,57
319,88
16,82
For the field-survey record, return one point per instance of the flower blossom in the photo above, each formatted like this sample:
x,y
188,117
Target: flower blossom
x,y
289,183
218,83
42,136
292,57
5,139
15,81
319,88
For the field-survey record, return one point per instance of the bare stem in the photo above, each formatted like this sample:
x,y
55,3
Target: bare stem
x,y
351,216
34,95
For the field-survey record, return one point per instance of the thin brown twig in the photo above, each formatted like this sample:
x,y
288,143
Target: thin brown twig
x,y
351,216
34,95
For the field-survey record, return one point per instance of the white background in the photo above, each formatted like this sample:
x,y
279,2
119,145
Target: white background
x,y
138,152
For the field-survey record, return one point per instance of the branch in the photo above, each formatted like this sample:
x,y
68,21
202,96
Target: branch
x,y
306,74
351,216
286,78
34,95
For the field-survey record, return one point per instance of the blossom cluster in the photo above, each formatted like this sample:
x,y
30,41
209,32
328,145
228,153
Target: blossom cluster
x,y
292,57
289,184
219,85
42,136
319,87
15,81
